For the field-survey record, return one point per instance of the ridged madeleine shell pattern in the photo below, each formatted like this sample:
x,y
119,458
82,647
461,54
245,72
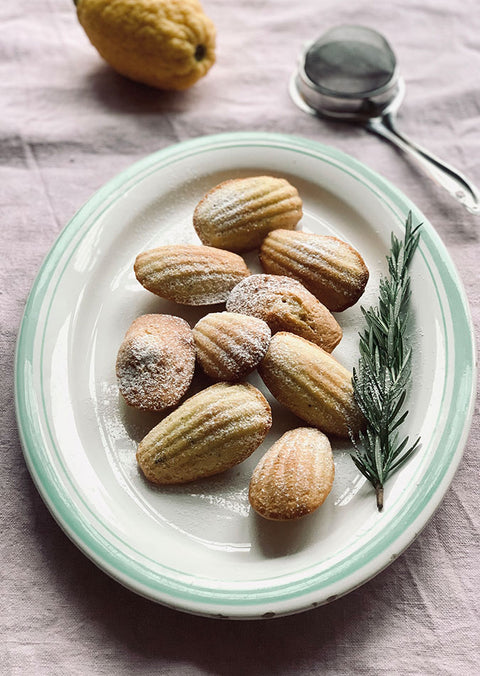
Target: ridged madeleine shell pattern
x,y
311,383
286,305
155,362
210,432
238,213
294,477
328,267
229,345
190,274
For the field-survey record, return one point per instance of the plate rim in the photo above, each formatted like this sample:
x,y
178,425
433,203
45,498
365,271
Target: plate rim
x,y
254,606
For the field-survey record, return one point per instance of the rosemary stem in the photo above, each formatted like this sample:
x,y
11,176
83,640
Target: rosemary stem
x,y
384,370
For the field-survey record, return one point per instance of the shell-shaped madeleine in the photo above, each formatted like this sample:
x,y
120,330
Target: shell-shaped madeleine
x,y
294,477
286,305
230,345
207,434
155,362
190,274
328,267
238,213
311,383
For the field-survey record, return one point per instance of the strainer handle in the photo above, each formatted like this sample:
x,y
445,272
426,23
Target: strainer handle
x,y
445,175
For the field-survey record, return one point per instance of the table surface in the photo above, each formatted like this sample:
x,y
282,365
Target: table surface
x,y
69,123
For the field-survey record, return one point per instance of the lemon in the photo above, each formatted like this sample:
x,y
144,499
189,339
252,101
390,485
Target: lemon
x,y
169,44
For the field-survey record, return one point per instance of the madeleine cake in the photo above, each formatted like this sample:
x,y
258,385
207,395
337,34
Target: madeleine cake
x,y
229,345
207,434
155,362
294,477
238,213
286,305
311,383
328,267
190,274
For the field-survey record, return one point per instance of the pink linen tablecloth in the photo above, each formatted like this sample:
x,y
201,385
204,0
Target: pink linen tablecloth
x,y
68,124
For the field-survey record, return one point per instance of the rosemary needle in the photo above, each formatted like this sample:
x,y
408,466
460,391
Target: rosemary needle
x,y
384,370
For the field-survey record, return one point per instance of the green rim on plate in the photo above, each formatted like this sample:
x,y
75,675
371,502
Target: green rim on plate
x,y
287,593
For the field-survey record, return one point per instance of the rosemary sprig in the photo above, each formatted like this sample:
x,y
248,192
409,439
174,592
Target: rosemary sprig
x,y
384,370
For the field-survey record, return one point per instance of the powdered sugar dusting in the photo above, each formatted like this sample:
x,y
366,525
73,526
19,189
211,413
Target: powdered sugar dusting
x,y
286,305
255,294
190,274
230,345
311,383
238,213
329,267
294,477
155,362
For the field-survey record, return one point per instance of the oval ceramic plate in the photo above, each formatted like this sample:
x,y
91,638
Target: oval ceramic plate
x,y
199,547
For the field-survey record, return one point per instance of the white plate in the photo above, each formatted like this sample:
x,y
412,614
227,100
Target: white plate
x,y
199,547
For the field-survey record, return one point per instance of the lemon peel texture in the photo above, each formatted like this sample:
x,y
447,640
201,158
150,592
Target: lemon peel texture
x,y
168,44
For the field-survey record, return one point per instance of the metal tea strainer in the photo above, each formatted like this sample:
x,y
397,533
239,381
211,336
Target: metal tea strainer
x,y
351,73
